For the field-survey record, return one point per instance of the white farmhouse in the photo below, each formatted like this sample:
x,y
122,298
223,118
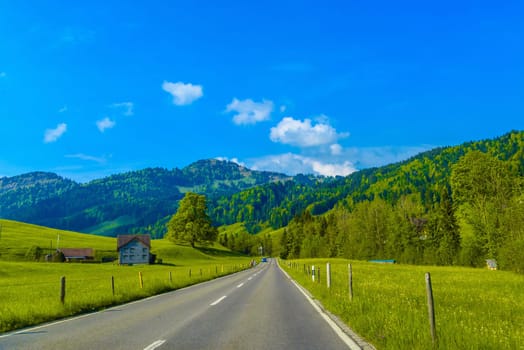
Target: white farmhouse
x,y
133,249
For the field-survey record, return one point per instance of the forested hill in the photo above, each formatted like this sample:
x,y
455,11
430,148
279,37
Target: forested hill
x,y
276,203
130,202
141,201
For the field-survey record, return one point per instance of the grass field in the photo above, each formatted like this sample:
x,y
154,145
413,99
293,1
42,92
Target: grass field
x,y
474,308
30,291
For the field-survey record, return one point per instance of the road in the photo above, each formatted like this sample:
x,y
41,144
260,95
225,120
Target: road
x,y
258,308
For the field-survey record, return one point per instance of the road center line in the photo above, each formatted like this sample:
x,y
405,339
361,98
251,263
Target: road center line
x,y
155,345
240,285
218,301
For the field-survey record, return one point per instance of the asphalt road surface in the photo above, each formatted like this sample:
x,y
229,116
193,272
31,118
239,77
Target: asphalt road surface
x,y
258,308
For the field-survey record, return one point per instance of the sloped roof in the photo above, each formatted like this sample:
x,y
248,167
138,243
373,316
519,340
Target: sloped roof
x,y
122,240
77,252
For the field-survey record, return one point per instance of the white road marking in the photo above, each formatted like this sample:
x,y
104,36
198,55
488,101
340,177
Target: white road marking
x,y
240,285
343,336
155,345
218,301
249,279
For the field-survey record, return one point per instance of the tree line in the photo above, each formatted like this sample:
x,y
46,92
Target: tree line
x,y
479,216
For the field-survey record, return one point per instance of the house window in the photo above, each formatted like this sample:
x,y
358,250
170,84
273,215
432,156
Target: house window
x,y
144,250
144,257
132,250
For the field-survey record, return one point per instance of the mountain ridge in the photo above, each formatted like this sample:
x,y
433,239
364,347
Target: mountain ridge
x,y
142,200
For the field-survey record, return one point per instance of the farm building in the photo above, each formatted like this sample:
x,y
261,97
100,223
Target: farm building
x,y
77,254
133,249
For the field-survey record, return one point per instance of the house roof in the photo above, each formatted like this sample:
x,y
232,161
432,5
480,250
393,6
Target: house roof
x,y
77,252
122,240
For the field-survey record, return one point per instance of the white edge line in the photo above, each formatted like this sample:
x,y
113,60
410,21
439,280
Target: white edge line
x,y
155,345
218,301
240,285
345,338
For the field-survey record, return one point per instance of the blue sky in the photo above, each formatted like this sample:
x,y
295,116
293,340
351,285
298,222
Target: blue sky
x,y
93,88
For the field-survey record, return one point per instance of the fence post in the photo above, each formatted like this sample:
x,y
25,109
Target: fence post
x,y
431,308
350,272
189,273
140,280
318,270
313,273
62,289
170,277
328,275
113,285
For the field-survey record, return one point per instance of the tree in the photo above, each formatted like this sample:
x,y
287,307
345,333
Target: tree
x,y
484,186
191,222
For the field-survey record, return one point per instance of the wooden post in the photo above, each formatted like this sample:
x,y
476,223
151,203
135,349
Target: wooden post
x,y
189,273
318,269
350,272
313,273
170,277
328,275
140,280
113,285
62,289
431,308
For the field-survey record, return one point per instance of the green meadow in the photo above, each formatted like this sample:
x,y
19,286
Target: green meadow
x,y
30,291
474,308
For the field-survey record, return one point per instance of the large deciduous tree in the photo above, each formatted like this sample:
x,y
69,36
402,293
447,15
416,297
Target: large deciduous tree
x,y
191,223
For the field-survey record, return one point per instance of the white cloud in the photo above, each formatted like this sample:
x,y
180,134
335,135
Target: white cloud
x,y
234,160
105,123
293,164
51,135
126,107
249,111
378,156
336,149
63,109
183,94
82,156
304,133
283,109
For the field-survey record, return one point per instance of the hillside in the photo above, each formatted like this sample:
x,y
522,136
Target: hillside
x,y
131,202
141,201
275,204
18,239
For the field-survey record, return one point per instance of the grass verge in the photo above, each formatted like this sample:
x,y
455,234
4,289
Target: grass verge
x,y
475,309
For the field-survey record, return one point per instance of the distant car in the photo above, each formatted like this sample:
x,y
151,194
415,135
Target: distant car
x,y
264,259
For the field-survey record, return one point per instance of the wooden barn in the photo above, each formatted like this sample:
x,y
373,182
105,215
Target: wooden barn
x,y
77,254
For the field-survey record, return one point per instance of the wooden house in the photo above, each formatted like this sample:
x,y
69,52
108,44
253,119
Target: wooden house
x,y
77,254
133,249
